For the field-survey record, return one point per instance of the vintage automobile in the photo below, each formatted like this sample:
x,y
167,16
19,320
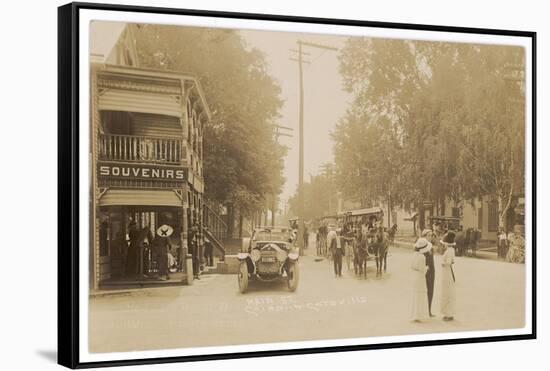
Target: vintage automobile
x,y
268,255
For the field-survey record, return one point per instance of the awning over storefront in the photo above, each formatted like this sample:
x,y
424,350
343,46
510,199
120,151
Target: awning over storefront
x,y
136,197
137,101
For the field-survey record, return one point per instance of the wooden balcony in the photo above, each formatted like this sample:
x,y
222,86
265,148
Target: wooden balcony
x,y
141,149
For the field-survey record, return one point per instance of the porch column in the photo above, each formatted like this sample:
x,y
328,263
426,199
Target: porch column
x,y
186,264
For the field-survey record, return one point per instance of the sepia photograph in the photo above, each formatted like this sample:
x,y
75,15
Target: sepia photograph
x,y
266,187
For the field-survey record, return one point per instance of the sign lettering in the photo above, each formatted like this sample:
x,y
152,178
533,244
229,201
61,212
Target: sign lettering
x,y
150,172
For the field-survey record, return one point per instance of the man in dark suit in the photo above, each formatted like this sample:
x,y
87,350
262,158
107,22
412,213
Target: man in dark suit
x,y
337,250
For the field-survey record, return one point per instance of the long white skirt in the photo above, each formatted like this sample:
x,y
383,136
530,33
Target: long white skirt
x,y
419,298
448,294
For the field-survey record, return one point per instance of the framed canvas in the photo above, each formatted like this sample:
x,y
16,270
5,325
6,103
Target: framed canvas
x,y
242,185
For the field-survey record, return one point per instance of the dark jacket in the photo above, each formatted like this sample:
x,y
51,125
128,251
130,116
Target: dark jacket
x,y
333,245
430,274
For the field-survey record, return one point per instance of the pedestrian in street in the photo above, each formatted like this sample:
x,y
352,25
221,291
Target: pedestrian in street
x,y
208,252
337,251
306,237
161,248
448,290
430,274
420,309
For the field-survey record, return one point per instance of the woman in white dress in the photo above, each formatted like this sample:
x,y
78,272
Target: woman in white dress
x,y
448,292
419,288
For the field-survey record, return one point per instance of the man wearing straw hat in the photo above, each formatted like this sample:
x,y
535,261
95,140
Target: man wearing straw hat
x,y
161,246
448,291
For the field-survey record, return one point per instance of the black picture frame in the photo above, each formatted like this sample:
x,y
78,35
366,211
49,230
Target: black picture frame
x,y
68,183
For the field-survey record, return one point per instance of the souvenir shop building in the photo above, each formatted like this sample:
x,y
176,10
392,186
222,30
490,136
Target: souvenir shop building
x,y
146,160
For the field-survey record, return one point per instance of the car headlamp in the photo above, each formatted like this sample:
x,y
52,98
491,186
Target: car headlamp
x,y
255,255
281,255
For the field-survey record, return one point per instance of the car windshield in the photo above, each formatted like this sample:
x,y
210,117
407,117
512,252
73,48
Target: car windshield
x,y
271,235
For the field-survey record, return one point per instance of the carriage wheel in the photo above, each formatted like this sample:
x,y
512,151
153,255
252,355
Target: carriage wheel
x,y
243,277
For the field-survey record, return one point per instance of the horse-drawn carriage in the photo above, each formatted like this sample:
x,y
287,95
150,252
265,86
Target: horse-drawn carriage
x,y
366,239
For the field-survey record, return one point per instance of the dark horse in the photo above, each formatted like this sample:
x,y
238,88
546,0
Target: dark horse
x,y
473,235
360,256
380,248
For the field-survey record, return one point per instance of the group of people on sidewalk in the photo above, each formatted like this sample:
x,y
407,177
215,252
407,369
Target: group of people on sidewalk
x,y
511,247
423,267
160,246
165,251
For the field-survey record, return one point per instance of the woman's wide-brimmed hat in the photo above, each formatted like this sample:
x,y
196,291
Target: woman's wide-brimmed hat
x,y
165,231
422,245
449,239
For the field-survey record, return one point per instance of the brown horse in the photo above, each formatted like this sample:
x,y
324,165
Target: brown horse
x,y
380,249
360,257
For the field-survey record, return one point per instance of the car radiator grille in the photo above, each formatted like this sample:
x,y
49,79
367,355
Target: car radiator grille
x,y
268,262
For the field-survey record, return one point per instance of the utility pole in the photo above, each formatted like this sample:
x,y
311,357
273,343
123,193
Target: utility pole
x,y
327,171
278,133
301,61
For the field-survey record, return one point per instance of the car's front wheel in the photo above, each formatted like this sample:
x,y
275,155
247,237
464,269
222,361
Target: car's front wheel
x,y
243,277
293,276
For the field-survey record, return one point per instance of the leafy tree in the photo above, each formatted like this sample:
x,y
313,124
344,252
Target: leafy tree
x,y
319,197
242,160
439,115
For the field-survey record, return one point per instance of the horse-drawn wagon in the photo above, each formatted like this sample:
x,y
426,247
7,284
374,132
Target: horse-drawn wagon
x,y
366,239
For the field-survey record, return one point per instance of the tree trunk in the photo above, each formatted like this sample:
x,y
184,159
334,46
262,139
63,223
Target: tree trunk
x,y
230,220
389,211
240,224
421,216
503,206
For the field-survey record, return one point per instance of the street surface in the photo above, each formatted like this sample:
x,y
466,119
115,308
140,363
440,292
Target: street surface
x,y
490,295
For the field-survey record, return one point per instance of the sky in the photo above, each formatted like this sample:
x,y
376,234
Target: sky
x,y
325,101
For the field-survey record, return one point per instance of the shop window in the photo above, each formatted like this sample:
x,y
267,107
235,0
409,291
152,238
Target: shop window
x,y
104,238
493,216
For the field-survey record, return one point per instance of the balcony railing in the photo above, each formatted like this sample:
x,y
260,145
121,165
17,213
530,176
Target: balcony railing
x,y
116,147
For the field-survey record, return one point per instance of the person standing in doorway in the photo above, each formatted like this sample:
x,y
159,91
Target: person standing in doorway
x,y
132,260
161,247
430,274
448,280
